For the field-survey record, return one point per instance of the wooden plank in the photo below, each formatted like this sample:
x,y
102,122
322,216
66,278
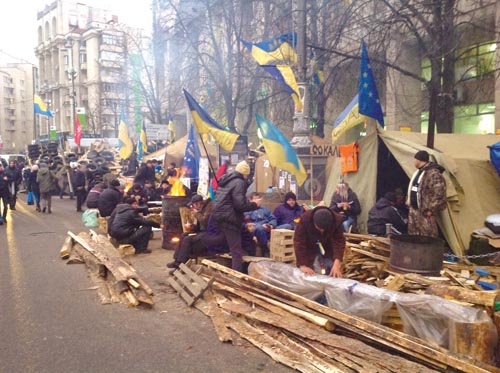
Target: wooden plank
x,y
66,247
217,317
370,254
411,346
483,298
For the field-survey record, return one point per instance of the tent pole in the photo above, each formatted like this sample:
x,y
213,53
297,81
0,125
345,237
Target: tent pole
x,y
312,176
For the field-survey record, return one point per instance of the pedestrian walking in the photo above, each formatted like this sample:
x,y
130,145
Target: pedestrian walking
x,y
46,181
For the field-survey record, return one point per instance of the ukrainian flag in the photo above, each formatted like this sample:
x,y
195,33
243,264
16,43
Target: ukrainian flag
x,y
349,118
125,144
279,151
274,58
142,144
40,107
206,125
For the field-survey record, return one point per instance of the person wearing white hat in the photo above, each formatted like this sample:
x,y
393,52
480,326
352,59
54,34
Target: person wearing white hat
x,y
230,204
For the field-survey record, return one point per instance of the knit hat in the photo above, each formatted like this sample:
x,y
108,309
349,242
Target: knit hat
x,y
323,218
390,196
243,168
194,199
114,183
422,155
290,195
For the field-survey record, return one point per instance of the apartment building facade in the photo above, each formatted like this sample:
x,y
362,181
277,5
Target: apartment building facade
x,y
82,68
16,103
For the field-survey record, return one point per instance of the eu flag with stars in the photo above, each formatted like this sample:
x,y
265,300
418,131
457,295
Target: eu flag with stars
x,y
369,101
191,155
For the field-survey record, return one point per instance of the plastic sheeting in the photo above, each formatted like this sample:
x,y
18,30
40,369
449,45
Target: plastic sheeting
x,y
423,316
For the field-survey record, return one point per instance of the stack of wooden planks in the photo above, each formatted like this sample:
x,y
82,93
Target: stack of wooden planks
x,y
309,337
116,280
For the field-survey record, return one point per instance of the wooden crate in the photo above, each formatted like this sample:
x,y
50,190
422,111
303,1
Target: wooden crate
x,y
281,245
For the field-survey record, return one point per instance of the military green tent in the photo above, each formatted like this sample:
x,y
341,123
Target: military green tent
x,y
386,163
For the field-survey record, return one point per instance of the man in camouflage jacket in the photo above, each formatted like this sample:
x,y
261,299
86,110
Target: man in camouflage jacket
x,y
426,196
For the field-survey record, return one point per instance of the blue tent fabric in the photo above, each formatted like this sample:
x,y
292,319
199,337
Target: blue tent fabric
x,y
495,156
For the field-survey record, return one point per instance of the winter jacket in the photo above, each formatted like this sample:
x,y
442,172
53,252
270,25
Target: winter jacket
x,y
78,180
46,180
32,184
14,175
145,173
384,212
354,209
4,184
231,202
306,238
286,215
92,200
261,216
125,220
431,194
108,200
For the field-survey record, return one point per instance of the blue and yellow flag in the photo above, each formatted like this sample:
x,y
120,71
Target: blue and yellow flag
x,y
125,144
206,125
279,151
192,155
349,118
273,56
369,101
142,143
171,130
40,107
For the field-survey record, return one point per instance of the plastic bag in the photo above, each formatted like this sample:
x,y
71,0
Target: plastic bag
x,y
30,199
89,218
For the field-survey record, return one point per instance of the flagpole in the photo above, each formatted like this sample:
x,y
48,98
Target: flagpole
x,y
208,156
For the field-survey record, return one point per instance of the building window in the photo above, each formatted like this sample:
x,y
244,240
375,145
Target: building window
x,y
471,119
112,39
475,61
83,57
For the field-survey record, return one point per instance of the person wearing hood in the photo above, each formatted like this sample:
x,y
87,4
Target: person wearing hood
x,y
426,196
385,212
46,181
79,182
126,226
288,213
230,205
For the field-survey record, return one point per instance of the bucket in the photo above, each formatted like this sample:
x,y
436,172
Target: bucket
x,y
417,254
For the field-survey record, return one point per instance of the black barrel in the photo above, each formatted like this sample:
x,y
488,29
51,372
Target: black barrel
x,y
417,254
171,218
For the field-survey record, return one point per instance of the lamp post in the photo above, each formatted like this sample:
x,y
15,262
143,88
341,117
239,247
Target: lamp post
x,y
71,76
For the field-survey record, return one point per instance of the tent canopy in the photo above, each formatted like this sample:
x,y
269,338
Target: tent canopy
x,y
386,162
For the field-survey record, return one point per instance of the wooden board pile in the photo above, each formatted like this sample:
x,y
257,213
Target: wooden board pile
x,y
115,280
305,335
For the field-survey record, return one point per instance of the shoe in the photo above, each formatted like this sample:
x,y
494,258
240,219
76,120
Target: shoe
x,y
146,251
50,211
13,208
44,209
173,264
78,210
38,209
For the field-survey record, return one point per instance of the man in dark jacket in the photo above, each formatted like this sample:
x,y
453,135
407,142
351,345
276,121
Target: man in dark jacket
x,y
109,198
79,185
319,242
287,213
127,227
145,172
92,200
4,192
385,212
230,205
15,179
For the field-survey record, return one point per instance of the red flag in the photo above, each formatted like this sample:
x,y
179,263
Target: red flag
x,y
78,131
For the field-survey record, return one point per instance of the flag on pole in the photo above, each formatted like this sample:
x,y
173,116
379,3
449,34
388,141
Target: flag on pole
x,y
40,107
78,131
171,130
192,155
349,118
279,151
273,58
206,125
125,145
142,142
369,101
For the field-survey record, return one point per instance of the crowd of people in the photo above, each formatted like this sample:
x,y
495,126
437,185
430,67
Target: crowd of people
x,y
233,221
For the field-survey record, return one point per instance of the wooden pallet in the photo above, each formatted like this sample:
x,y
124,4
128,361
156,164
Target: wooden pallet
x,y
281,245
189,285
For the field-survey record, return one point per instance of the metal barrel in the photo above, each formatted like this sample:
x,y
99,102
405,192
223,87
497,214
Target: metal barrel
x,y
417,254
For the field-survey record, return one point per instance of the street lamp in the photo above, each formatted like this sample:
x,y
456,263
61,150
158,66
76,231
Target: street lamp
x,y
71,76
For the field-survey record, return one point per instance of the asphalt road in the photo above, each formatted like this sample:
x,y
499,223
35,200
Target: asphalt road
x,y
51,319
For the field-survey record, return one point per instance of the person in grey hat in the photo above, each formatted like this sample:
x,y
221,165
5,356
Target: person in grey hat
x,y
426,196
